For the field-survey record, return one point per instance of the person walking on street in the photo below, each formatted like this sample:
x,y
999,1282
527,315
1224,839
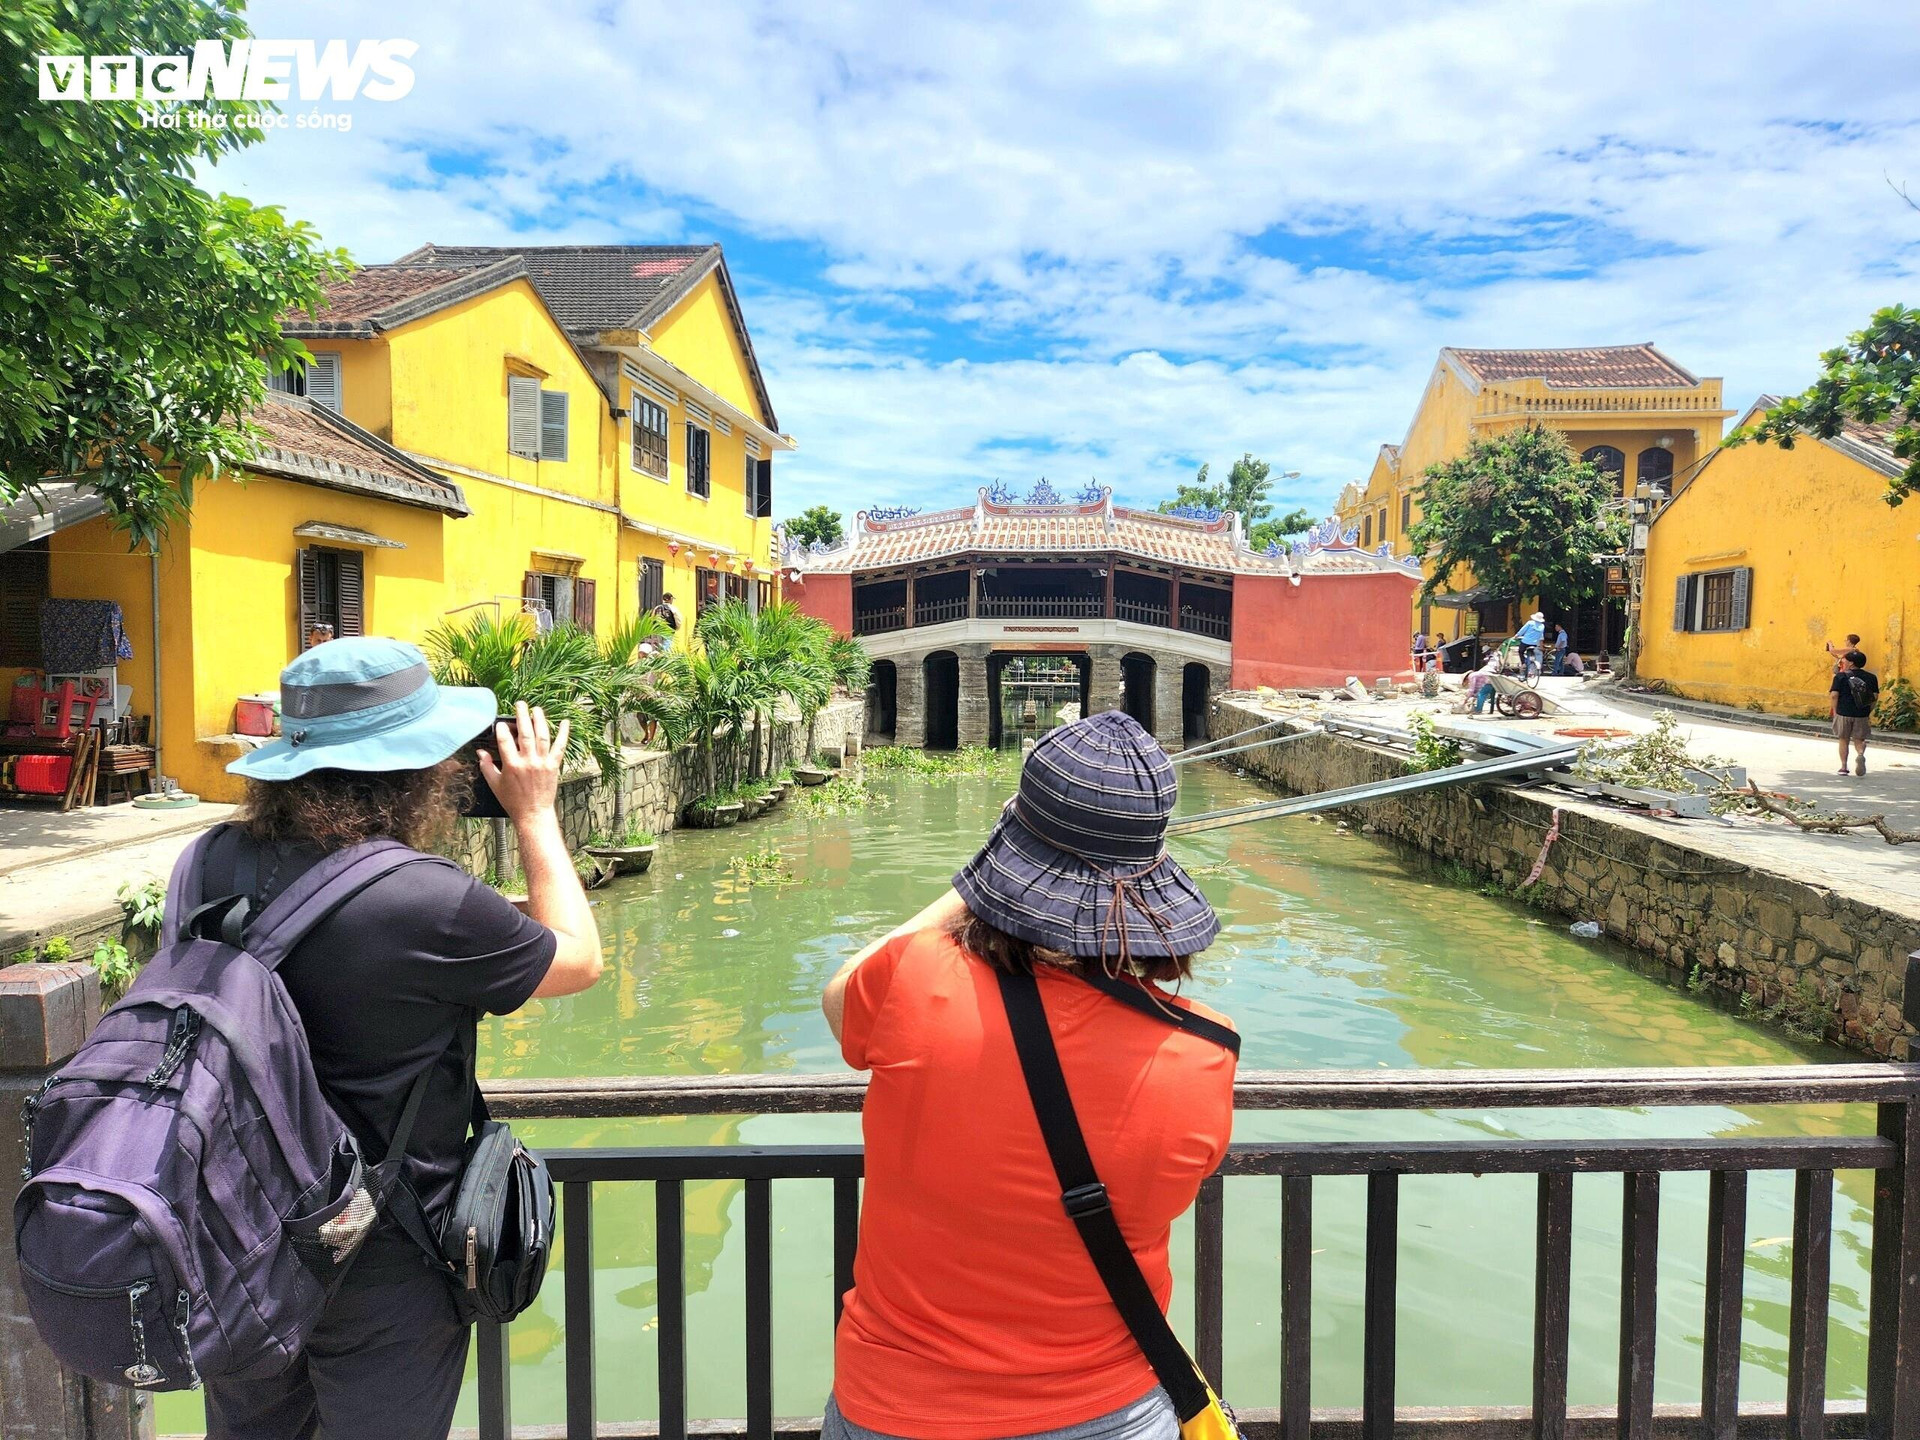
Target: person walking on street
x,y
1560,646
390,987
1851,700
974,1312
671,618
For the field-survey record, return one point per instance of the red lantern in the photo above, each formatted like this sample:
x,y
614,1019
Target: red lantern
x,y
673,547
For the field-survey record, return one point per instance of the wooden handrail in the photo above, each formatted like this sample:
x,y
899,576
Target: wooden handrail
x,y
650,1096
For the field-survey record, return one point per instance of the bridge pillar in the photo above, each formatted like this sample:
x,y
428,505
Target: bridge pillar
x,y
1103,684
1169,721
910,699
976,702
46,1011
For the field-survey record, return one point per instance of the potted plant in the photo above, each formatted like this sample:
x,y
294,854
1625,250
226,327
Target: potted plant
x,y
630,853
711,812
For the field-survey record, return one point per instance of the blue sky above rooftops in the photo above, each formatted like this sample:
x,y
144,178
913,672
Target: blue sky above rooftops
x,y
1077,242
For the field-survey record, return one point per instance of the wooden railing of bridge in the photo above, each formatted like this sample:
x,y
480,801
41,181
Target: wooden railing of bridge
x,y
1892,1154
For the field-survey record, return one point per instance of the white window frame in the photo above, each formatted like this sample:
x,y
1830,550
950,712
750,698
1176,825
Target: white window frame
x,y
523,416
705,490
317,379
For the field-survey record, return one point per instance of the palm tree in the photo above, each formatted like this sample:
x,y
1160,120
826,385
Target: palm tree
x,y
560,670
635,686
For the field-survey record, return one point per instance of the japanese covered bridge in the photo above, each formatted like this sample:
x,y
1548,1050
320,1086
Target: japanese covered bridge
x,y
971,613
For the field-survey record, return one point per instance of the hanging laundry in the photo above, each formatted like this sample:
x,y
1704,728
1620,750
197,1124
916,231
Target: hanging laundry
x,y
78,635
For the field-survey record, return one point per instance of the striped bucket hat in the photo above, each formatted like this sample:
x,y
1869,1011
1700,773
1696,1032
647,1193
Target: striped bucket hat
x,y
1078,860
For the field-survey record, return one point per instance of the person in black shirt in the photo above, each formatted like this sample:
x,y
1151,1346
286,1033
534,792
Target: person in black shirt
x,y
1850,702
391,984
671,618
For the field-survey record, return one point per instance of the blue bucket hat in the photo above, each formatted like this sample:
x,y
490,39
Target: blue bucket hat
x,y
365,703
1078,860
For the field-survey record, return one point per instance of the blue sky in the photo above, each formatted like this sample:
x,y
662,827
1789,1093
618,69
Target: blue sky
x,y
1113,240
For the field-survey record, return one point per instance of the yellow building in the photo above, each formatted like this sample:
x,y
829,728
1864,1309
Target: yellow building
x,y
329,527
1626,408
575,432
1766,556
602,405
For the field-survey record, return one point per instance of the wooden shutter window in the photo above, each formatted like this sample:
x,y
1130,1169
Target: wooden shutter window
x,y
1683,603
653,585
583,603
353,593
1742,595
523,416
307,568
24,578
553,424
323,379
752,487
764,491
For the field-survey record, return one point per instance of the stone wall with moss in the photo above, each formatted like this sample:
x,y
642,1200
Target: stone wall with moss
x,y
1808,955
658,786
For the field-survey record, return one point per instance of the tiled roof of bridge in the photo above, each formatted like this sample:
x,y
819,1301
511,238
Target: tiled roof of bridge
x,y
1595,367
1092,528
1075,529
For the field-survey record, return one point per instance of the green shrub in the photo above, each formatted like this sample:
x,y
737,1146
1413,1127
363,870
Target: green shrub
x,y
1431,750
144,903
1899,707
57,950
117,968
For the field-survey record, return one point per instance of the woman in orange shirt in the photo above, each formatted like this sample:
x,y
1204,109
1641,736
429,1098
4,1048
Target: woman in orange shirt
x,y
975,1312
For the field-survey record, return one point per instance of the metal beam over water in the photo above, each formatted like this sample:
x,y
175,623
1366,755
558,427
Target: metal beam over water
x,y
1525,762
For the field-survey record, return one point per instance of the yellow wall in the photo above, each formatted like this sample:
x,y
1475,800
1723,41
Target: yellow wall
x,y
1829,558
246,609
699,336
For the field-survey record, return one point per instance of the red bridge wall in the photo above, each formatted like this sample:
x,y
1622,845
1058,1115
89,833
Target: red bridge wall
x,y
1322,630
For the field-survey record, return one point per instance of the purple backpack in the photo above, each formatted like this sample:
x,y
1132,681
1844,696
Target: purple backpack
x,y
191,1197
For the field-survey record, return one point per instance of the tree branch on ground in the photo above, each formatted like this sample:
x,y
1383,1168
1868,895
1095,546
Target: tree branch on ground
x,y
1829,824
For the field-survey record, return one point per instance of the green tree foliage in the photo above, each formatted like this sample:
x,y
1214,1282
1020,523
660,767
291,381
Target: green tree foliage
x,y
815,526
1523,513
138,314
1244,492
1873,379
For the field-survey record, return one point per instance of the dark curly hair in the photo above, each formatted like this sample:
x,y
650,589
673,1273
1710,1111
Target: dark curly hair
x,y
1022,957
332,809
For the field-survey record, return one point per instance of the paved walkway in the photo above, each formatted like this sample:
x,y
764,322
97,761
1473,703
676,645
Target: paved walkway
x,y
59,873
1858,863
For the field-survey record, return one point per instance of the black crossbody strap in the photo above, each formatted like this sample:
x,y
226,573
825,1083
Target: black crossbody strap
x,y
1136,998
1085,1199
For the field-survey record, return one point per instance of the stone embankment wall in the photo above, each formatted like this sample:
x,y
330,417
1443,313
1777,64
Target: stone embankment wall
x,y
658,784
1820,957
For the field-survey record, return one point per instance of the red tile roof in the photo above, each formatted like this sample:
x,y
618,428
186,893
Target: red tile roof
x,y
353,304
1598,367
307,442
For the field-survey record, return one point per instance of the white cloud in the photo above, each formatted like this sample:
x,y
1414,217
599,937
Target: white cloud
x,y
1081,187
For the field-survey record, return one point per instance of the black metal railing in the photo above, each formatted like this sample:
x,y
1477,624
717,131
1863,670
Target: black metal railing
x,y
878,622
936,612
1141,612
1891,1410
1204,622
1042,607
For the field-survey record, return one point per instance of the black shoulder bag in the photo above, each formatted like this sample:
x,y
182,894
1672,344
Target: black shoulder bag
x,y
1202,1415
498,1235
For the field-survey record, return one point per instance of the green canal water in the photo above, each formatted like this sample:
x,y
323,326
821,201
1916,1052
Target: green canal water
x,y
1337,952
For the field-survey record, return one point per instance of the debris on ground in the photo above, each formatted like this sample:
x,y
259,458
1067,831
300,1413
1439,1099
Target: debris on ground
x,y
1585,929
